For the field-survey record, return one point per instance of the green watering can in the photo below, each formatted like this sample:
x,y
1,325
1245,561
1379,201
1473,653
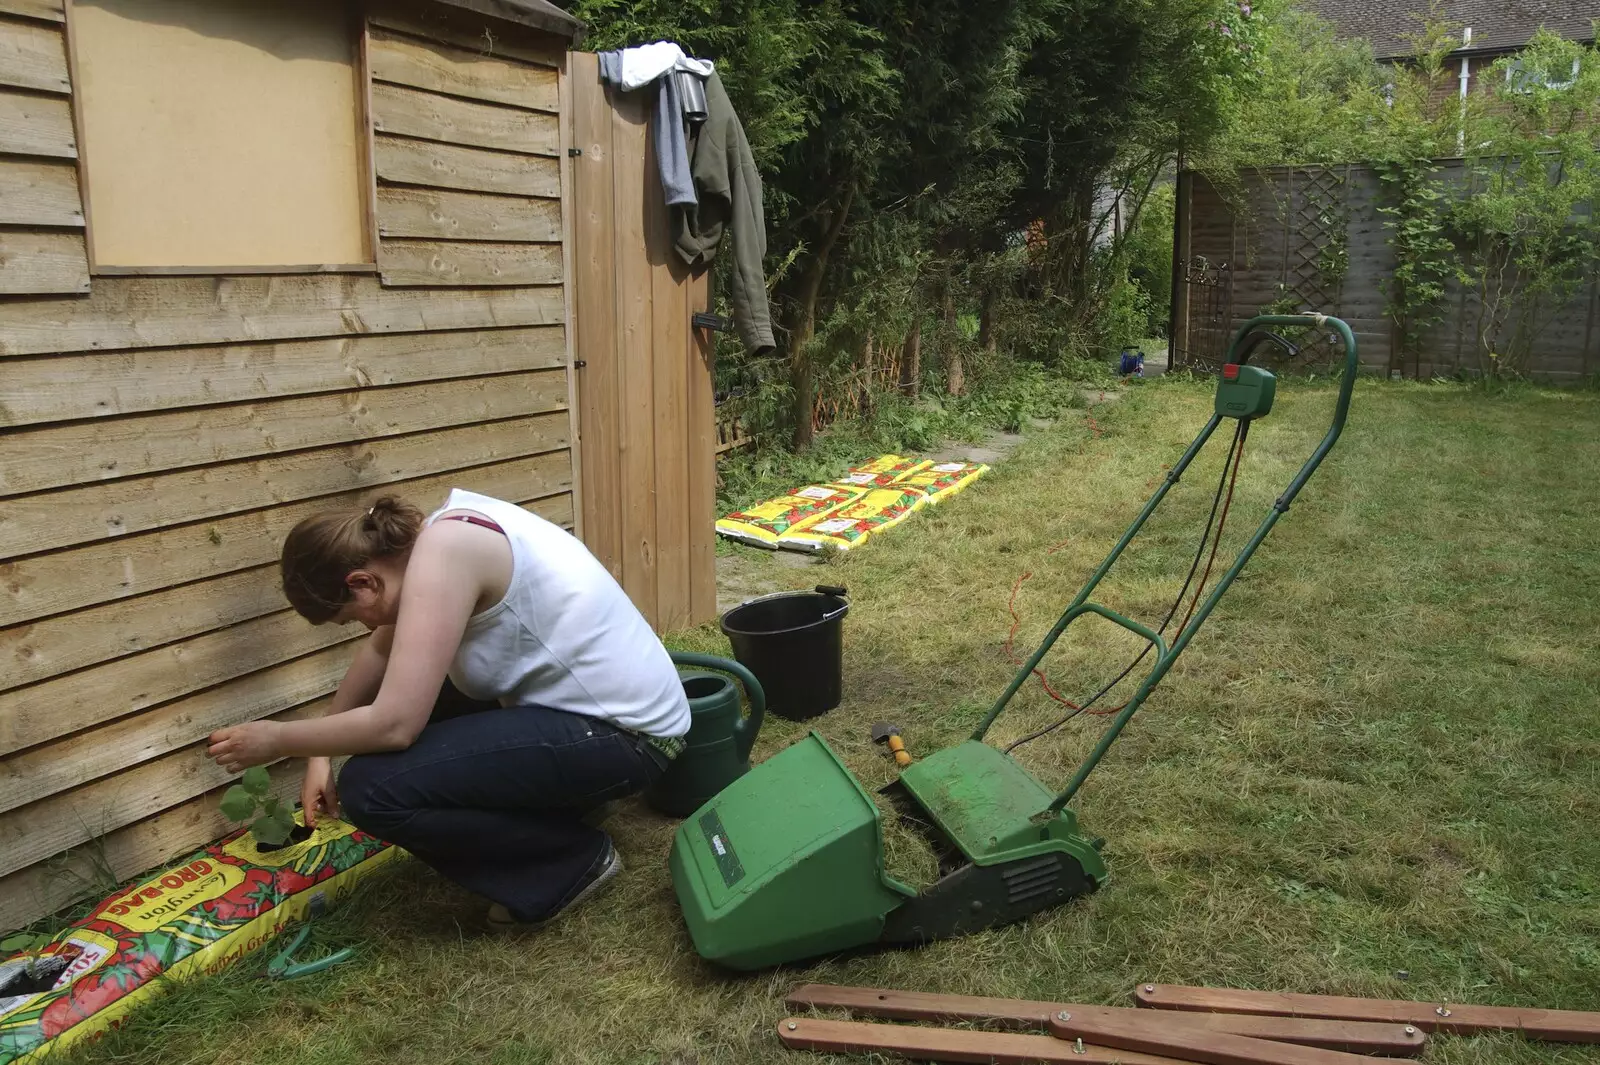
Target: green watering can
x,y
717,749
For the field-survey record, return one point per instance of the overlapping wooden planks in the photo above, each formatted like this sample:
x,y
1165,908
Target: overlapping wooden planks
x,y
118,567
416,262
33,55
36,125
82,453
48,10
435,24
70,818
47,886
141,312
474,75
38,192
446,215
429,116
37,522
46,252
163,434
42,261
466,144
106,384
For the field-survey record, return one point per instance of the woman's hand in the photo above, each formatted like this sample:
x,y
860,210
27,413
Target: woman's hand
x,y
239,747
317,792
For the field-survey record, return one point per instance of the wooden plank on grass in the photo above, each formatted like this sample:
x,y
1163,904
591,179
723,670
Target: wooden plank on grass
x,y
594,317
104,449
36,125
502,41
46,521
458,72
449,166
33,56
1357,1038
114,569
65,820
102,384
949,1044
36,192
635,352
1172,1035
1562,1026
445,215
140,312
455,263
42,262
48,648
429,116
46,887
68,762
702,459
106,692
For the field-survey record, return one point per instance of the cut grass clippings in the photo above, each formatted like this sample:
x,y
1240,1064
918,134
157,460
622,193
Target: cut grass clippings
x,y
1381,755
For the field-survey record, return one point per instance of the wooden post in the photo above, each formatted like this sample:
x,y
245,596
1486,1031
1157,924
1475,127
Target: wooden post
x,y
1178,313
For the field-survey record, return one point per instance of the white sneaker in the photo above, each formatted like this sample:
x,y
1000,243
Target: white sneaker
x,y
501,920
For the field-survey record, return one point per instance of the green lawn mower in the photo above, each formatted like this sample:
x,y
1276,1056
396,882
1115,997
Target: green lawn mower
x,y
787,862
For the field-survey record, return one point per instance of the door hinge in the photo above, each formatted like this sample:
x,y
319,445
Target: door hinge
x,y
573,152
579,363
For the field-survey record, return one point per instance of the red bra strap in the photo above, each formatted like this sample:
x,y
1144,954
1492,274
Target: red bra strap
x,y
474,519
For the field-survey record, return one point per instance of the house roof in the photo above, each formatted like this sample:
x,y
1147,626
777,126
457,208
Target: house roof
x,y
1497,25
540,14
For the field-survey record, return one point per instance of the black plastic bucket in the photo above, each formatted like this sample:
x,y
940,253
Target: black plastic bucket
x,y
794,643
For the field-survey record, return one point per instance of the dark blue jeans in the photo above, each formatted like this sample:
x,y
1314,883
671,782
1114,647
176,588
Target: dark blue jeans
x,y
493,798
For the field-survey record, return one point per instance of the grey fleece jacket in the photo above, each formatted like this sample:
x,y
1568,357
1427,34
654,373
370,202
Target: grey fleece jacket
x,y
730,204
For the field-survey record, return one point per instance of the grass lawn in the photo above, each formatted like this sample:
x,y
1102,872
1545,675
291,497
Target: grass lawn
x,y
1376,771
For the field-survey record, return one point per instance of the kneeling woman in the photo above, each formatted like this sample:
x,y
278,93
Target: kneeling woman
x,y
559,697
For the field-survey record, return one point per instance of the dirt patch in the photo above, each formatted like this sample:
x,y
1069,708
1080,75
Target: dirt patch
x,y
990,451
747,572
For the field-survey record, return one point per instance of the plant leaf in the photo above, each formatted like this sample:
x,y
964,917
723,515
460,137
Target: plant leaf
x,y
23,941
238,804
257,781
273,828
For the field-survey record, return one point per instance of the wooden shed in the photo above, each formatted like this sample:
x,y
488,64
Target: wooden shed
x,y
258,257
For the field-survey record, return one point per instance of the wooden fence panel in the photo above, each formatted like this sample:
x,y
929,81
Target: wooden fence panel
x,y
646,418
1291,216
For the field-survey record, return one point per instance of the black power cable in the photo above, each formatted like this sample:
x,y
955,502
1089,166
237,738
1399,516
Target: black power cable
x,y
1235,453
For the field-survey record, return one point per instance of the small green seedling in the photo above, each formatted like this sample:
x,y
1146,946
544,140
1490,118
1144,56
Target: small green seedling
x,y
271,821
28,944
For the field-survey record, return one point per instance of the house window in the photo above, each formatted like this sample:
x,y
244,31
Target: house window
x,y
1523,80
220,133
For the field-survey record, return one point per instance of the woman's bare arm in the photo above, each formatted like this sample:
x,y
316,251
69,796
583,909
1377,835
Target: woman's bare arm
x,y
443,579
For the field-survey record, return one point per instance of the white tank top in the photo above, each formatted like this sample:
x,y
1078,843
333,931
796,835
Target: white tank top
x,y
565,636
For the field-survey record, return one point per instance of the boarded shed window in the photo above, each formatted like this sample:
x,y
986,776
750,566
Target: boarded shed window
x,y
221,132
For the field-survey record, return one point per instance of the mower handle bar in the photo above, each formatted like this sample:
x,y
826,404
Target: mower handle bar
x,y
1165,655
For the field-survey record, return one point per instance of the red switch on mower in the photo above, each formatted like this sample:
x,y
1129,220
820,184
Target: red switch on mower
x,y
1245,392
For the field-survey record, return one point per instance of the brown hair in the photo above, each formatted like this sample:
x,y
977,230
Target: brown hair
x,y
322,550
